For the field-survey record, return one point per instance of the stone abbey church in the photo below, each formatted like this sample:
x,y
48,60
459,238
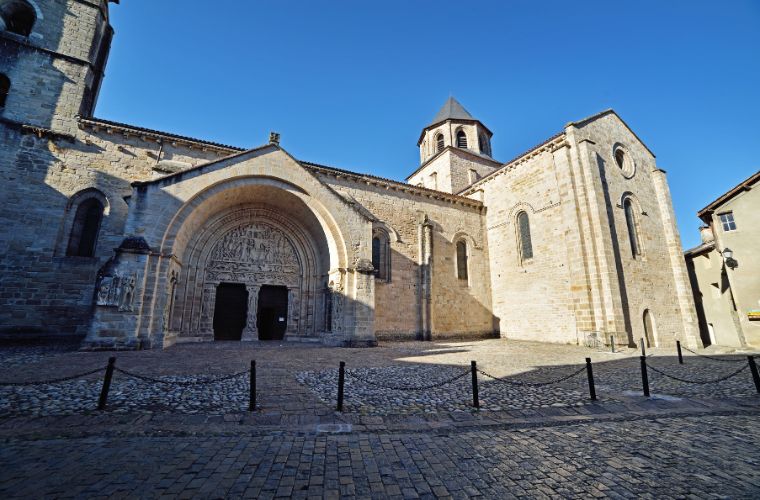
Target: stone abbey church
x,y
135,238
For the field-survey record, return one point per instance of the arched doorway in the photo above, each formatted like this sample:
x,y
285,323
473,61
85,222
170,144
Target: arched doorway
x,y
268,248
649,329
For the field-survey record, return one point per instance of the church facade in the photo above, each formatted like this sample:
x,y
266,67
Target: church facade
x,y
135,238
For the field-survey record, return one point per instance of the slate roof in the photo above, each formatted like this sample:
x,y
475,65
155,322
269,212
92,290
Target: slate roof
x,y
451,110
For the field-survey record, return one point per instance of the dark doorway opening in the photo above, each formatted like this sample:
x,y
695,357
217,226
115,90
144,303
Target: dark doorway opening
x,y
231,311
272,317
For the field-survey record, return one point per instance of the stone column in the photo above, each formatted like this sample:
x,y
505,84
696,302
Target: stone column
x,y
426,285
251,330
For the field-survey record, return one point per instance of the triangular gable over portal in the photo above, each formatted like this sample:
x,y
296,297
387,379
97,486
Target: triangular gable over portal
x,y
240,157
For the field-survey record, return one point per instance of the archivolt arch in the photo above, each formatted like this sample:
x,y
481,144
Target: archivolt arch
x,y
229,192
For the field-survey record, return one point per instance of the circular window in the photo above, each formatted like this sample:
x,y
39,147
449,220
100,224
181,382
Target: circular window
x,y
624,161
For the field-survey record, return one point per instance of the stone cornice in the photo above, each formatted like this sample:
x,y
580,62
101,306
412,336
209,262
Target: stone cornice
x,y
97,124
549,146
391,185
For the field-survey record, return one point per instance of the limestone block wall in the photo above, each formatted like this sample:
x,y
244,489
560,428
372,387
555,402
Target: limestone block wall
x,y
531,297
55,72
458,309
41,288
452,171
654,281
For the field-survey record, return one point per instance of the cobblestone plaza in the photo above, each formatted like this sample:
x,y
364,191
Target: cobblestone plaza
x,y
200,440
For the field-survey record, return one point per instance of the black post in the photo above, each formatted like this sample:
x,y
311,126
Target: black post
x,y
612,343
680,354
644,375
252,400
643,349
590,373
341,380
755,375
475,396
106,384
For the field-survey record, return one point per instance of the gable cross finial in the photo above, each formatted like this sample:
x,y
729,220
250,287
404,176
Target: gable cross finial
x,y
274,138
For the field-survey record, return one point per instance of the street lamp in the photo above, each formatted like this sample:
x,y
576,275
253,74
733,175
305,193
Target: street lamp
x,y
728,257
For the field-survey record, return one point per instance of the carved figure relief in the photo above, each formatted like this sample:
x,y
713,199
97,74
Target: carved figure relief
x,y
127,296
116,291
254,253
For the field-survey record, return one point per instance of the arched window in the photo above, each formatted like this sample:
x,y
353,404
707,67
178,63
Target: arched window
x,y
5,87
461,139
439,143
462,260
17,16
523,233
85,228
630,221
381,255
485,147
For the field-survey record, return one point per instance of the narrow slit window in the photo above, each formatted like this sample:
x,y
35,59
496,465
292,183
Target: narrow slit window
x,y
630,221
462,260
526,244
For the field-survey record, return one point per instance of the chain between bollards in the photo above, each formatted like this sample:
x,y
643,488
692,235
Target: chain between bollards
x,y
680,354
755,375
475,395
341,381
252,384
106,384
591,386
644,375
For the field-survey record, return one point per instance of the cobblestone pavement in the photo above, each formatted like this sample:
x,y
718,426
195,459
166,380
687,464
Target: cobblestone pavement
x,y
707,457
182,438
372,388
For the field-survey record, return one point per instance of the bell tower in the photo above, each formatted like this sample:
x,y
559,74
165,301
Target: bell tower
x,y
455,150
52,60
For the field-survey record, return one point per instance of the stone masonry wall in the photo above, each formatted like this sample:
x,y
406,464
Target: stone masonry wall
x,y
531,298
41,288
458,309
648,281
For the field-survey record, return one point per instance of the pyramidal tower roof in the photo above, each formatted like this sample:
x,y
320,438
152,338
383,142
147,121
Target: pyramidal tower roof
x,y
452,110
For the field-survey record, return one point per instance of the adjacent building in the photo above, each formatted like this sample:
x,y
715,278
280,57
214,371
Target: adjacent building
x,y
725,269
136,238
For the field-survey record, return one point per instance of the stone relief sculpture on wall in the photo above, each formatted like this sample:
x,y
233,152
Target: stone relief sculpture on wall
x,y
115,290
254,253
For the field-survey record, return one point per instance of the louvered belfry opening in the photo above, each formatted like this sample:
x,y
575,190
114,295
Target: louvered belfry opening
x,y
461,139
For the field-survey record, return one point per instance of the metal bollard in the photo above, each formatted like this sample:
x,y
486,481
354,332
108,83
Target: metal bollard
x,y
753,369
643,349
644,375
475,396
252,383
680,354
106,384
590,373
612,343
341,381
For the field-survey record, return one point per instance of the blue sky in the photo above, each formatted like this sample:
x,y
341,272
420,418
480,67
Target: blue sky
x,y
351,83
